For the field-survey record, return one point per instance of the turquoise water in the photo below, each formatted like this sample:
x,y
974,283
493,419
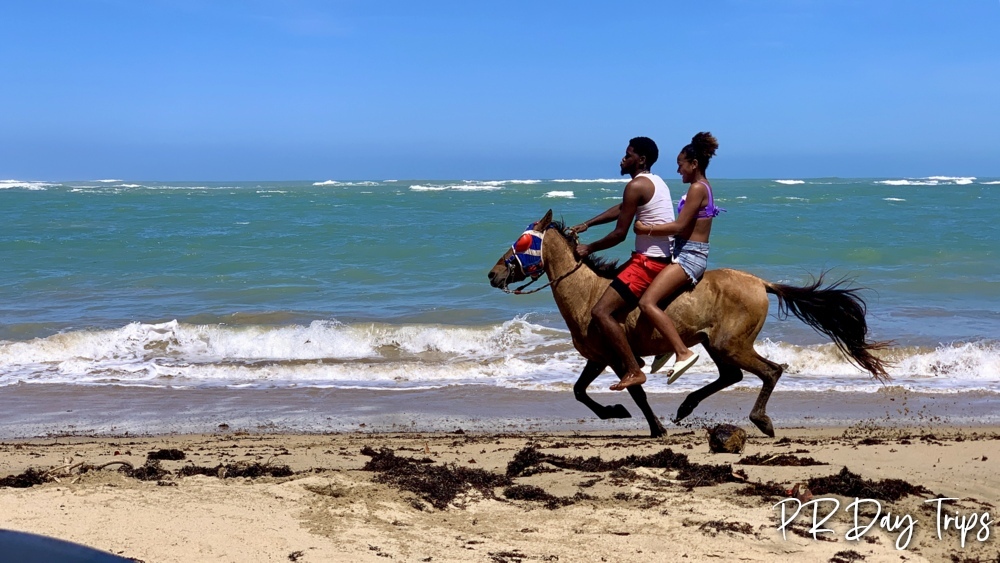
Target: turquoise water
x,y
382,283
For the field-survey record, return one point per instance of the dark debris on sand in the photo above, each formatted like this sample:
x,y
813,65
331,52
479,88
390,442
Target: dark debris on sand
x,y
692,474
850,484
29,478
536,494
845,483
770,491
167,455
437,484
847,556
238,469
787,460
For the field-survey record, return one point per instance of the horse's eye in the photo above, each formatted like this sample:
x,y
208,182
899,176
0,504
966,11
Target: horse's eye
x,y
523,243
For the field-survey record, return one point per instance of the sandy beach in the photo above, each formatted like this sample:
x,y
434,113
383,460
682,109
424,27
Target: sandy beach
x,y
506,497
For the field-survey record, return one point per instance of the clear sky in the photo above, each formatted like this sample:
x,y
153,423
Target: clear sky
x,y
310,89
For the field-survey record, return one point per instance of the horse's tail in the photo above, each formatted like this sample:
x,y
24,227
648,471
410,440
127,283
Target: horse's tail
x,y
837,312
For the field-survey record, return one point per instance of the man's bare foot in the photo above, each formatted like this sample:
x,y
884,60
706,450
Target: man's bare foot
x,y
629,380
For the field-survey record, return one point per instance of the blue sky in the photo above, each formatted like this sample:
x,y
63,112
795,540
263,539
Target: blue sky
x,y
242,90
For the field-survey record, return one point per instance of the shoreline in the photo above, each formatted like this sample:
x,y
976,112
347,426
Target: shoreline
x,y
331,508
50,410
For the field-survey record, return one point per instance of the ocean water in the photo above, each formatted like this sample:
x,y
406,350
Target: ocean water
x,y
381,284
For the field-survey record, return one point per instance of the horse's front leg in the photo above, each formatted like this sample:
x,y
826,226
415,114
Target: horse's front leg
x,y
587,376
639,396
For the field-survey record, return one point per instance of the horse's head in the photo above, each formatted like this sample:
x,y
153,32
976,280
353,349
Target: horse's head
x,y
523,258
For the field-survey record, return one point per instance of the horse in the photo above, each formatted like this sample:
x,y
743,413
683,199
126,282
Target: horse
x,y
724,313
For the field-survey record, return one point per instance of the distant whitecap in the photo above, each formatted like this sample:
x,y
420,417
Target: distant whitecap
x,y
336,183
893,199
930,181
594,181
908,182
960,180
9,184
569,195
790,182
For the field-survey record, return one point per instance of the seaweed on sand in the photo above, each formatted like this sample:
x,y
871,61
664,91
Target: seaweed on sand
x,y
437,484
692,474
779,459
238,469
850,484
169,455
29,478
537,494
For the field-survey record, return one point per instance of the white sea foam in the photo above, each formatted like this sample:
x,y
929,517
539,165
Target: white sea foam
x,y
516,354
594,181
790,182
930,181
994,183
336,183
466,187
524,181
129,186
908,182
107,181
893,199
29,185
569,195
960,180
324,353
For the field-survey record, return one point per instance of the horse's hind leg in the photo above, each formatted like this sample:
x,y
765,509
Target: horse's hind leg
x,y
769,373
587,376
729,374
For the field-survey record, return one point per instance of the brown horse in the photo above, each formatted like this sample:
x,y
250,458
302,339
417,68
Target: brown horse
x,y
724,313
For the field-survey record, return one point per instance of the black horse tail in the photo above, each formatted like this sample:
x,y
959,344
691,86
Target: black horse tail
x,y
837,312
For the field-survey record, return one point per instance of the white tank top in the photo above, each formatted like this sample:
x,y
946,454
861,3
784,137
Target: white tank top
x,y
658,210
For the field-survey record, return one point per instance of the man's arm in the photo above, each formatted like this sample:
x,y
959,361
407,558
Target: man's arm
x,y
635,195
606,217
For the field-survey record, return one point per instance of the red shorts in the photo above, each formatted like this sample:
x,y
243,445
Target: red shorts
x,y
633,280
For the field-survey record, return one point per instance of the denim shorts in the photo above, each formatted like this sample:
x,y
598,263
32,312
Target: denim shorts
x,y
692,257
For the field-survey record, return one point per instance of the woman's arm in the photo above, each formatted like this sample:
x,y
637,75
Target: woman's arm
x,y
696,199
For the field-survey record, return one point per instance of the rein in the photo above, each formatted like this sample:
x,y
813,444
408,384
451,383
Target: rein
x,y
553,283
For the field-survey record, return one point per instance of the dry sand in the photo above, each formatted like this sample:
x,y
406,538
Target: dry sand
x,y
331,509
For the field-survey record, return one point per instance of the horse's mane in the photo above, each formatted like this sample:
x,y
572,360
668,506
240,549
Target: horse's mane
x,y
604,267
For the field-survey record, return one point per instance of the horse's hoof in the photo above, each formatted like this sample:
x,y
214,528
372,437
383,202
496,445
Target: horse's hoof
x,y
684,410
657,432
615,411
764,425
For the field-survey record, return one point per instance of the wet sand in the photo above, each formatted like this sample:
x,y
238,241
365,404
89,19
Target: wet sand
x,y
41,410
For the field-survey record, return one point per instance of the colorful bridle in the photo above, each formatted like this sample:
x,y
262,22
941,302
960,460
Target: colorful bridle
x,y
528,252
527,255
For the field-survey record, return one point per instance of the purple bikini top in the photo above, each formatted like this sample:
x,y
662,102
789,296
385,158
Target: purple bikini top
x,y
709,210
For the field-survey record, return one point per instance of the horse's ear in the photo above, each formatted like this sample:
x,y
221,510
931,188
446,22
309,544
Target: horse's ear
x,y
544,223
